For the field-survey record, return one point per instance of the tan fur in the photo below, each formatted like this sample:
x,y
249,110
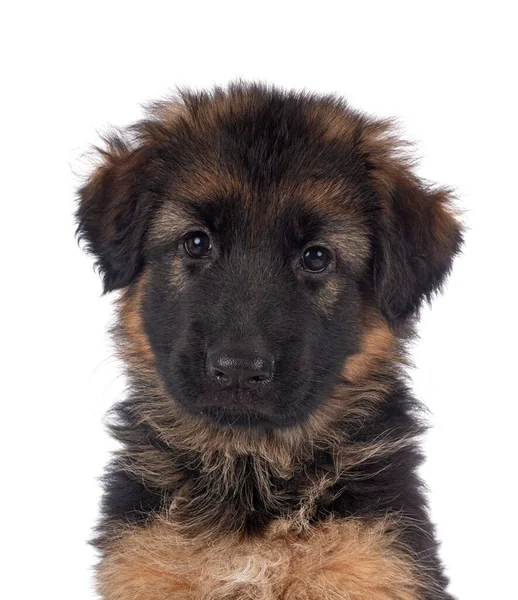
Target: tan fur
x,y
381,145
170,224
332,122
346,232
336,560
277,453
132,343
135,347
209,180
201,554
202,183
432,208
328,295
349,238
378,349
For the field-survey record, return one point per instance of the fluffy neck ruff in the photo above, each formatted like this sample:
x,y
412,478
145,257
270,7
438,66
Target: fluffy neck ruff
x,y
214,478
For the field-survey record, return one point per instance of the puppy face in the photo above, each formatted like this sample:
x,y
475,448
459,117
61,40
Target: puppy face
x,y
262,227
253,300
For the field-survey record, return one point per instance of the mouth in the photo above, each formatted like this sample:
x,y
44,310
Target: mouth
x,y
247,409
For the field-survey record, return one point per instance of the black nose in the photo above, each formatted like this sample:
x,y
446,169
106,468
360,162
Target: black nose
x,y
238,369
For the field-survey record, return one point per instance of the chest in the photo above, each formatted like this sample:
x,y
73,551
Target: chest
x,y
334,561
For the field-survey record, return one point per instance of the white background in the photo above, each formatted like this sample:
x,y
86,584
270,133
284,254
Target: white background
x,y
447,70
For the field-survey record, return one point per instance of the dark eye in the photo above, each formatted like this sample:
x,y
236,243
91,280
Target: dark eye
x,y
197,244
315,259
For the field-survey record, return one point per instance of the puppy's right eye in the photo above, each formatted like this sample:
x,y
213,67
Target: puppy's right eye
x,y
197,244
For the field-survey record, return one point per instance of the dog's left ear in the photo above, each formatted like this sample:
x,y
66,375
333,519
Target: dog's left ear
x,y
417,231
114,209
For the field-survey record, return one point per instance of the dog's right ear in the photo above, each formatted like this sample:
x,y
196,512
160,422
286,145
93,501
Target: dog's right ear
x,y
114,209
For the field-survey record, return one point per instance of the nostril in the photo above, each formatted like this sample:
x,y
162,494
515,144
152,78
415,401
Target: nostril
x,y
220,376
259,378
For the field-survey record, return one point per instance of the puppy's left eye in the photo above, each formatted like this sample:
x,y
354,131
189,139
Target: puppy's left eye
x,y
197,244
315,259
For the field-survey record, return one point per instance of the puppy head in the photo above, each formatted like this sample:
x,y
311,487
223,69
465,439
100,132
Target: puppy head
x,y
262,229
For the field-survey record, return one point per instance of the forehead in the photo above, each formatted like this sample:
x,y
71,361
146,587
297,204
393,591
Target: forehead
x,y
260,167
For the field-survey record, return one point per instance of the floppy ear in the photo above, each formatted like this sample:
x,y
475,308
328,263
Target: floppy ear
x,y
114,209
417,231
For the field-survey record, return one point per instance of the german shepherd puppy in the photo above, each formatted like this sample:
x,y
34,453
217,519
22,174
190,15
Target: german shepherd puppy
x,y
272,250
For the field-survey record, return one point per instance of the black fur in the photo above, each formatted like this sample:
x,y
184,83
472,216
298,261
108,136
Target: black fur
x,y
251,292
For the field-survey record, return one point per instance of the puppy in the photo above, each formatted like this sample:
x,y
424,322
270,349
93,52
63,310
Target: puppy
x,y
272,250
